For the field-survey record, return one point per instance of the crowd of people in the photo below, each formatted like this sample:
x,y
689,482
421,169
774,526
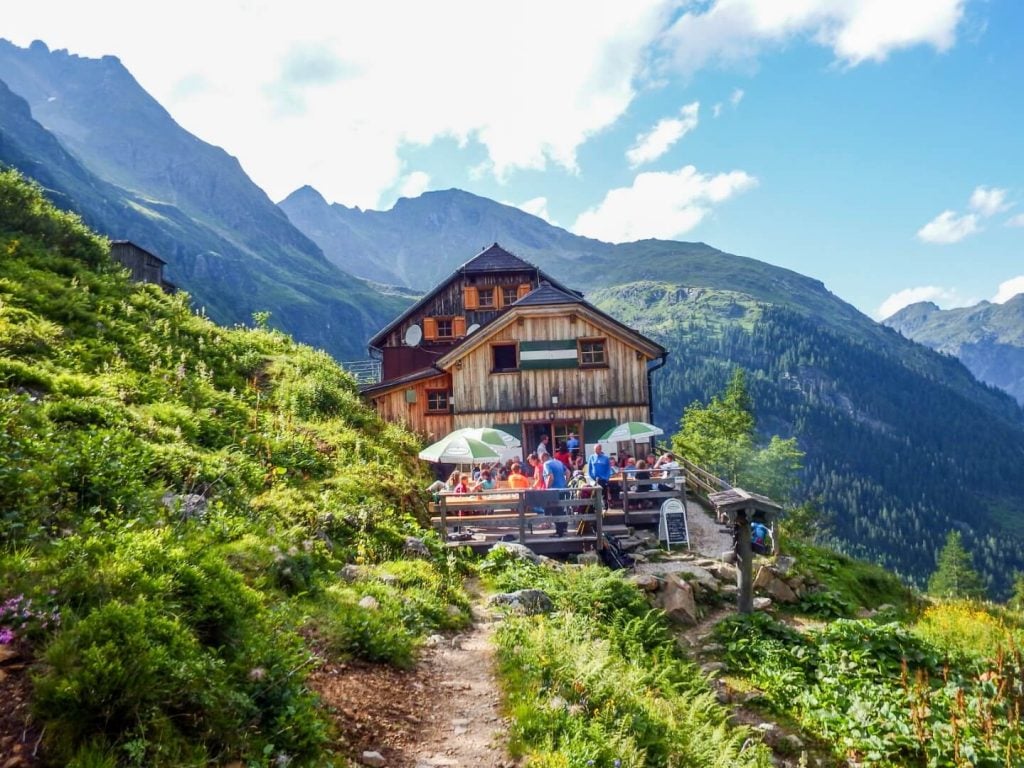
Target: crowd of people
x,y
567,467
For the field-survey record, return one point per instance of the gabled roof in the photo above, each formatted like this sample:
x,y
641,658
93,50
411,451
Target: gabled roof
x,y
137,247
546,295
494,258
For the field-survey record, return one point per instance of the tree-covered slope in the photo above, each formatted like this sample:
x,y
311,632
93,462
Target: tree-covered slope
x,y
101,146
895,458
988,338
176,501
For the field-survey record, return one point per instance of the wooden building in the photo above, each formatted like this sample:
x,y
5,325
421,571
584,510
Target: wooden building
x,y
500,343
145,267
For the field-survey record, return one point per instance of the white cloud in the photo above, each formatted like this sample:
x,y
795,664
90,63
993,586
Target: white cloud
x,y
328,94
537,206
666,132
1016,221
988,201
951,227
737,97
414,184
948,227
1008,289
717,109
736,31
660,204
943,297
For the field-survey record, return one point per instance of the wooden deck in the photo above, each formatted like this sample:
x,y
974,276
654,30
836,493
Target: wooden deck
x,y
531,517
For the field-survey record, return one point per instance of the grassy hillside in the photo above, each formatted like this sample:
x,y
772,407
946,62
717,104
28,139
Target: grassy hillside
x,y
895,458
176,501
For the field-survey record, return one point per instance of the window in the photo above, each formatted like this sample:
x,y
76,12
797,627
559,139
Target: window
x,y
438,400
485,298
444,328
509,295
504,357
592,352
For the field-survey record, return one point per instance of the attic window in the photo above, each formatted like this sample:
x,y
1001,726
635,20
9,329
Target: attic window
x,y
445,329
592,352
504,358
510,294
485,298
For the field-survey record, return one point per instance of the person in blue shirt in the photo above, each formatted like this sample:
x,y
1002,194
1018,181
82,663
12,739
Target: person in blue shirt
x,y
573,444
599,467
554,478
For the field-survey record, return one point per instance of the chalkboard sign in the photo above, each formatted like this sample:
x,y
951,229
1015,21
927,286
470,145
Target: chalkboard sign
x,y
672,526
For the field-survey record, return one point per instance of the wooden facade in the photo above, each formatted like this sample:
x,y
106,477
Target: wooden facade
x,y
515,350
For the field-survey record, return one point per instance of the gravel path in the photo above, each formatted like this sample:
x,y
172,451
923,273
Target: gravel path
x,y
706,536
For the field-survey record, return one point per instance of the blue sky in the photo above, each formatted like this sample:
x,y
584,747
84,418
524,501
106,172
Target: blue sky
x,y
873,144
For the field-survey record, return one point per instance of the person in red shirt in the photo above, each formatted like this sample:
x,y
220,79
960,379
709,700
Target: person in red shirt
x,y
563,455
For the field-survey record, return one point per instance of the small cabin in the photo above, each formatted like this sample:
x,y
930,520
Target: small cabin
x,y
145,267
500,343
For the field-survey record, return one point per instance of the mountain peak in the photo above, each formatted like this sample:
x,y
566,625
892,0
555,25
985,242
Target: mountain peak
x,y
305,194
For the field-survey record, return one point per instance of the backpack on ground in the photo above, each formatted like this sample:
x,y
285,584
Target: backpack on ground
x,y
614,556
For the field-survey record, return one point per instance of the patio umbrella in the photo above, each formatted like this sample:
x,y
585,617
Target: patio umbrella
x,y
458,449
497,438
631,430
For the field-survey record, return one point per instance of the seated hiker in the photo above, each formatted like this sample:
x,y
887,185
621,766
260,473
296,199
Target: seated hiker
x,y
485,483
642,473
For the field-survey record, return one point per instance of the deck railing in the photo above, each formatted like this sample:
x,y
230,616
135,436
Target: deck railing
x,y
518,509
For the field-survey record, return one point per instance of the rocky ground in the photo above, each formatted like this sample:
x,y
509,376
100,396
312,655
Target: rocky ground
x,y
19,738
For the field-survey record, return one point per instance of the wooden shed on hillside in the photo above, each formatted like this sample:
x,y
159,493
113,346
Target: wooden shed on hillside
x,y
145,267
500,343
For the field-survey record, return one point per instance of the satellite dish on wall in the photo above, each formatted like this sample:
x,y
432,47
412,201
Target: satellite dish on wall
x,y
473,327
413,335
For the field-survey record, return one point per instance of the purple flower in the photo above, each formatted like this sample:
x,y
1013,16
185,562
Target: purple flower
x,y
6,636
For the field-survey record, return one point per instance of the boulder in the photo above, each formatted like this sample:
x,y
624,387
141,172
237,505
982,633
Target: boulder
x,y
352,573
784,564
528,602
729,556
780,591
416,548
520,551
698,574
373,758
369,603
588,558
762,603
648,582
724,572
764,577
190,506
677,600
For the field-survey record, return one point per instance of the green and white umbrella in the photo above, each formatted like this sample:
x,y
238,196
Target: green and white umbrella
x,y
459,449
631,430
497,438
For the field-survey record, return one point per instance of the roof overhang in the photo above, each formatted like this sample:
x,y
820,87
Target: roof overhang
x,y
402,381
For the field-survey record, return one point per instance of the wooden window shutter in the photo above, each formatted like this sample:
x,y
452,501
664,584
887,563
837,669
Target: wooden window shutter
x,y
524,289
430,328
470,298
499,299
459,326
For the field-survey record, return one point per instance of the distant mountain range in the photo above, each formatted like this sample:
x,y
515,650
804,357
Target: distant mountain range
x,y
103,147
988,338
902,443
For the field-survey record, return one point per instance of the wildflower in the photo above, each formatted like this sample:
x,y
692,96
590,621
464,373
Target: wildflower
x,y
7,636
256,674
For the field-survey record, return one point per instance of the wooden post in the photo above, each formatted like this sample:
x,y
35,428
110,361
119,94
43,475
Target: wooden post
x,y
522,518
444,517
745,555
599,519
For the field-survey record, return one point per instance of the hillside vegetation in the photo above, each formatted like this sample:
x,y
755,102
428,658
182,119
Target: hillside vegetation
x,y
896,458
176,501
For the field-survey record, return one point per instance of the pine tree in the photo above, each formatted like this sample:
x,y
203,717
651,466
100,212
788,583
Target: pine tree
x,y
955,576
